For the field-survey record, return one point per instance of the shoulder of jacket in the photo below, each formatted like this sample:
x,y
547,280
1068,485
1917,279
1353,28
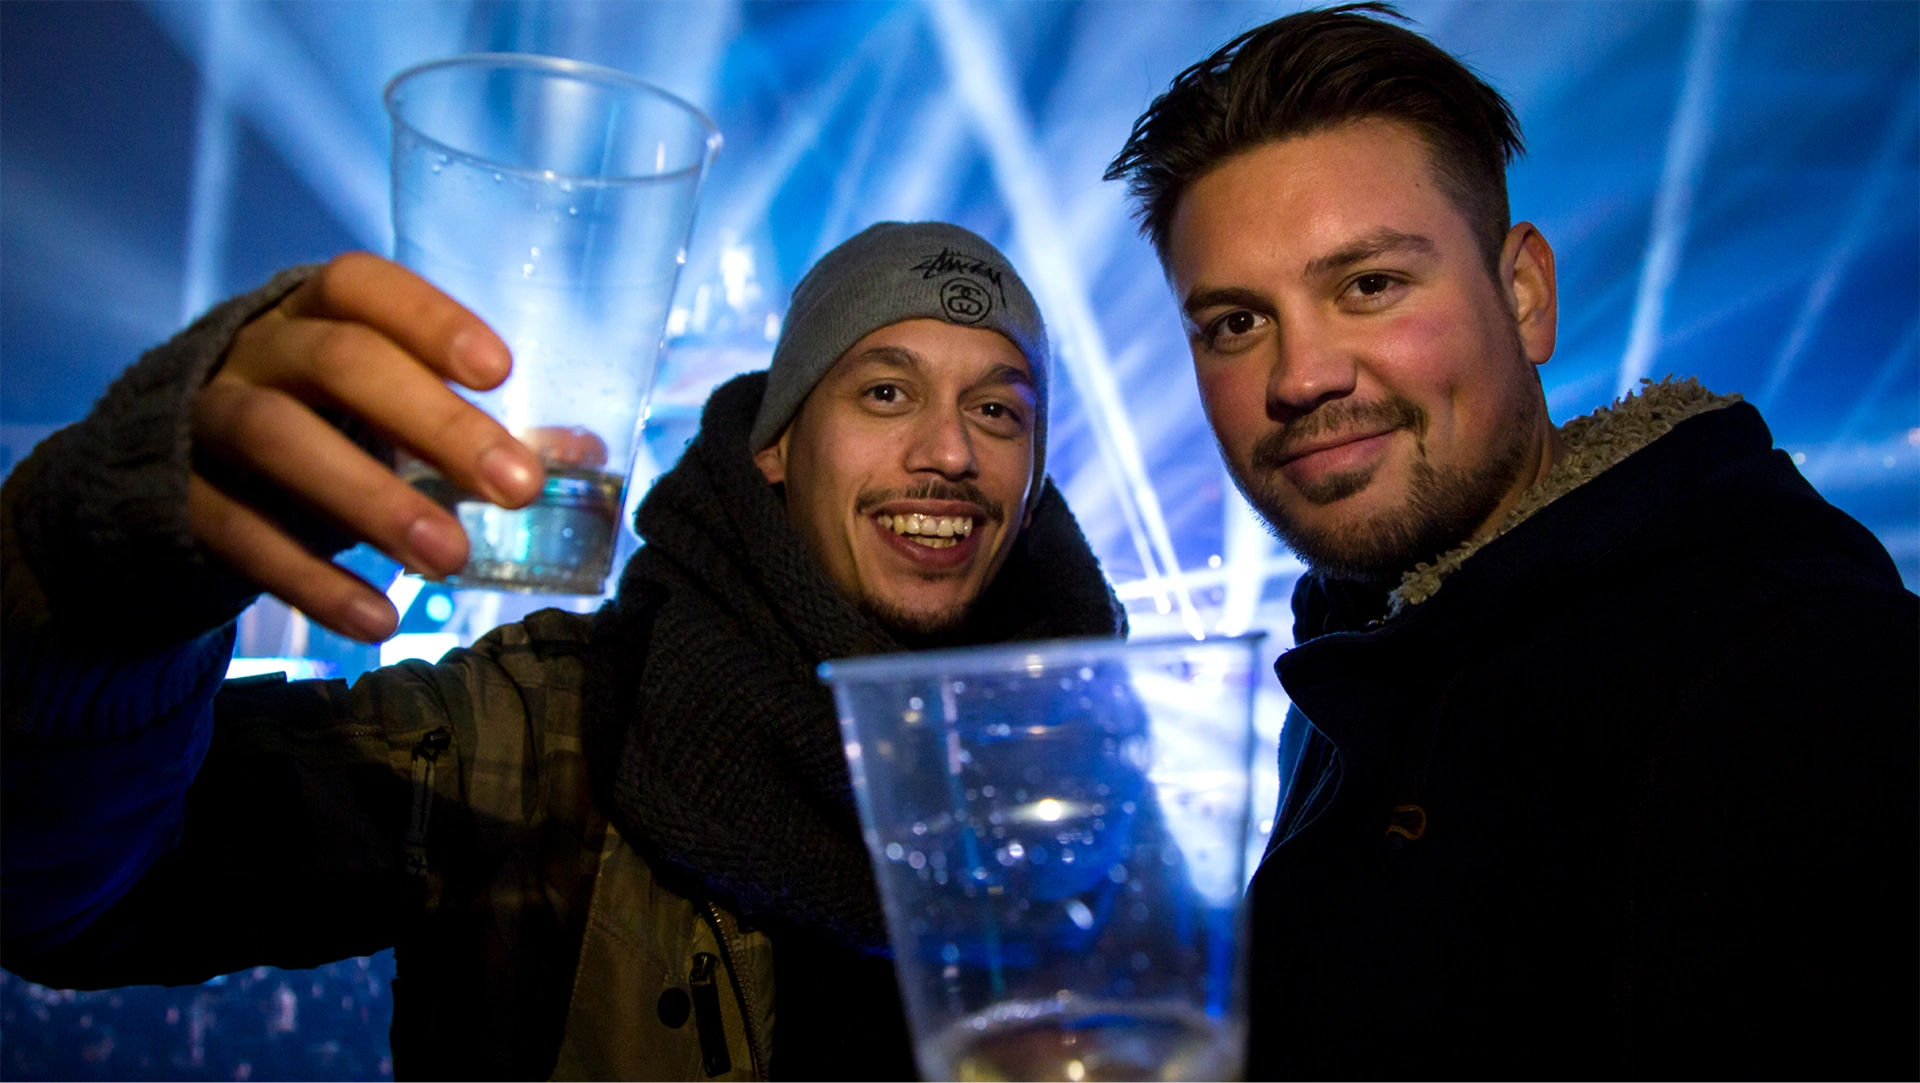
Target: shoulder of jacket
x,y
24,599
544,650
511,706
544,631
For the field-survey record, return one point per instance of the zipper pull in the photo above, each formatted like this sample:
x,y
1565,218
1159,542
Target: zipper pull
x,y
706,1014
425,753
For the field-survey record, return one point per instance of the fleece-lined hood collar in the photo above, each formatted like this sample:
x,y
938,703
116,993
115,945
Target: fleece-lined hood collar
x,y
1594,444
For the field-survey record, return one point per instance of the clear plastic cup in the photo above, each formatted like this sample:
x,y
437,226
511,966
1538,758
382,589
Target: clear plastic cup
x,y
1059,831
554,199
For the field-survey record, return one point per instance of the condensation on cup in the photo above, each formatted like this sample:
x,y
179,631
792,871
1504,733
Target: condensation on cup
x,y
554,199
1060,834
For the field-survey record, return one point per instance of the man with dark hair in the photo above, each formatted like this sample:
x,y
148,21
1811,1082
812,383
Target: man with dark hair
x,y
1602,758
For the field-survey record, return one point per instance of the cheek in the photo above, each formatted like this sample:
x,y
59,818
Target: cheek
x,y
1436,362
1452,367
1006,471
1424,355
1234,396
821,486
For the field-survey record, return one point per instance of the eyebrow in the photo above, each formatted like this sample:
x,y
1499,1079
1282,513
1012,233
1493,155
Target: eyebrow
x,y
1007,374
1378,243
1235,296
893,357
1373,245
902,359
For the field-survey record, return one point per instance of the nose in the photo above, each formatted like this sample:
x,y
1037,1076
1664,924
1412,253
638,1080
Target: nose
x,y
1311,366
942,444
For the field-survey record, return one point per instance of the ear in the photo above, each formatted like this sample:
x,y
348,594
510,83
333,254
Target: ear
x,y
772,459
1533,294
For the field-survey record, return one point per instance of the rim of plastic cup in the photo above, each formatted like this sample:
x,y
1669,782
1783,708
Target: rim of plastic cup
x,y
578,69
1013,657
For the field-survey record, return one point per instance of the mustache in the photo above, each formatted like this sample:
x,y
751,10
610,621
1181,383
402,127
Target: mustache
x,y
930,489
1276,449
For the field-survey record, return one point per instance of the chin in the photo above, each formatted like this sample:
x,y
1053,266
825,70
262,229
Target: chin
x,y
911,623
1385,529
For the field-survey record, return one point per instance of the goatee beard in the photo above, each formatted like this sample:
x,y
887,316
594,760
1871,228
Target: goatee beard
x,y
1444,506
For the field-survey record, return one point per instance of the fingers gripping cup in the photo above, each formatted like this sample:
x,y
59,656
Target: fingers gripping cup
x,y
1059,834
553,199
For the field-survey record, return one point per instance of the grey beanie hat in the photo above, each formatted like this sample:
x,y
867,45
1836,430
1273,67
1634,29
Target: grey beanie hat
x,y
898,271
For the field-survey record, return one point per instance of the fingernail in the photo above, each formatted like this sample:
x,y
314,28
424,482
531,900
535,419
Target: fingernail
x,y
371,619
441,544
480,355
511,471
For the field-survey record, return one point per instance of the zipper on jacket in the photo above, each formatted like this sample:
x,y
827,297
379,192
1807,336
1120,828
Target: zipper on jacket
x,y
425,753
742,995
706,1016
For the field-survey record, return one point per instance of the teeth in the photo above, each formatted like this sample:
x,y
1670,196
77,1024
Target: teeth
x,y
929,528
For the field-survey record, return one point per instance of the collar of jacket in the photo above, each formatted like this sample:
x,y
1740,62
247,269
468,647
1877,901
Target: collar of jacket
x,y
1594,444
1369,685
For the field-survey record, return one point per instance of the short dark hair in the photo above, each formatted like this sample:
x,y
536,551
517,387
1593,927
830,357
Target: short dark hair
x,y
1309,72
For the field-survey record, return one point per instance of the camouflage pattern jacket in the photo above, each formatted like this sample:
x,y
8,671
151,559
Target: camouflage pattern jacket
x,y
443,809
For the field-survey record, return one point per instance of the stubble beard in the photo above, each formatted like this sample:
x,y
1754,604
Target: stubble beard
x,y
1443,507
917,629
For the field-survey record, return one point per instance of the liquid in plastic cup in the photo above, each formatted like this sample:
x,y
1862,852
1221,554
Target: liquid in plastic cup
x,y
554,199
1059,831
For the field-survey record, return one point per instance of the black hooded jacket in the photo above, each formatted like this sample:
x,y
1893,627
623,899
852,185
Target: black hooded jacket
x,y
1631,793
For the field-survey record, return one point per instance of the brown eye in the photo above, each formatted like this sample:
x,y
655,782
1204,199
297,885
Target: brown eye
x,y
1000,413
1224,333
1372,285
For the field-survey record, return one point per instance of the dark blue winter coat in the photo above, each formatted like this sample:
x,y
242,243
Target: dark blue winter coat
x,y
1631,794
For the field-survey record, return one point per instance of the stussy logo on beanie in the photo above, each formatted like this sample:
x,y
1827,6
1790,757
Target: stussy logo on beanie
x,y
948,261
964,301
961,298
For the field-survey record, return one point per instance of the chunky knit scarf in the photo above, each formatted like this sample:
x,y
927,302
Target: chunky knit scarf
x,y
717,750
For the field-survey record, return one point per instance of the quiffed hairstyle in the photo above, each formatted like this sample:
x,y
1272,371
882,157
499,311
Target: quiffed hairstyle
x,y
1309,72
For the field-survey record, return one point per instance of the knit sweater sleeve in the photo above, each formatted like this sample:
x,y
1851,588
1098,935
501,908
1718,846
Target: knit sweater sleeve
x,y
117,631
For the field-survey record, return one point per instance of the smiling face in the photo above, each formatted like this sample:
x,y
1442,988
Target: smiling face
x,y
1371,385
907,469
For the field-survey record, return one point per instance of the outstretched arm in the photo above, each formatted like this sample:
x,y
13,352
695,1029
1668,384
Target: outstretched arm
x,y
238,456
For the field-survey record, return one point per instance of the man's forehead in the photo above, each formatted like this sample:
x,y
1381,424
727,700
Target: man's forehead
x,y
1320,183
931,347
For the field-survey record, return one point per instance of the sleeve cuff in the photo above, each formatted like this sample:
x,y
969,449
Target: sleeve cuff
x,y
103,519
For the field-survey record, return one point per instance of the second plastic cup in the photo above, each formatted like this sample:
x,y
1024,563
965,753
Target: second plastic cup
x,y
554,199
1059,831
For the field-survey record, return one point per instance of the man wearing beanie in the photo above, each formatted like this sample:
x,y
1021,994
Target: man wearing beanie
x,y
618,846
